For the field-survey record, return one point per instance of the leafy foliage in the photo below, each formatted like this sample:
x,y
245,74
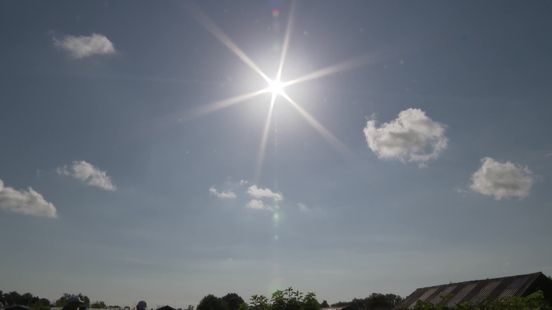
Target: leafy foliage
x,y
373,302
288,299
27,299
211,302
259,302
62,301
233,301
98,305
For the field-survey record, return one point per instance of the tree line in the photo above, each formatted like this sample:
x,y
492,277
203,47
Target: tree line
x,y
37,303
290,299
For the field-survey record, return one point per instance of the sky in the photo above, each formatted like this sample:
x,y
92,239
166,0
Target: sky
x,y
163,150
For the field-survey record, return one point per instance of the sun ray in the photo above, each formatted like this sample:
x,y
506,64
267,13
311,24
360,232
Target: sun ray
x,y
264,139
337,68
215,30
287,37
225,103
325,133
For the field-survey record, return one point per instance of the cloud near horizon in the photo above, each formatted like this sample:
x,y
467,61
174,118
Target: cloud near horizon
x,y
222,194
85,46
502,179
411,137
27,202
88,173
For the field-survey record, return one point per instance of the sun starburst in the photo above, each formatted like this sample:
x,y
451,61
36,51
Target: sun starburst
x,y
275,86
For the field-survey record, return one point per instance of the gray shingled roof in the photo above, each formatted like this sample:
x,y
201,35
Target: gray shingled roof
x,y
474,291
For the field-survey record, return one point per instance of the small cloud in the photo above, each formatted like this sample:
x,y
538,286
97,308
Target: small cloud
x,y
260,193
28,202
462,191
257,204
222,194
411,137
303,207
85,46
258,198
87,173
502,179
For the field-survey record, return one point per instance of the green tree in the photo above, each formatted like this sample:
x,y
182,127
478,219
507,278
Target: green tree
x,y
373,302
233,301
62,301
211,302
324,304
381,301
40,304
259,302
288,299
310,302
98,305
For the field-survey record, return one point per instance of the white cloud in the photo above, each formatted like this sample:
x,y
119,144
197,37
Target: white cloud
x,y
258,198
502,180
303,207
87,173
222,194
85,46
411,137
260,193
257,204
28,202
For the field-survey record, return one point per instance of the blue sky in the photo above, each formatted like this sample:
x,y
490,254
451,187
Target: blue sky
x,y
422,155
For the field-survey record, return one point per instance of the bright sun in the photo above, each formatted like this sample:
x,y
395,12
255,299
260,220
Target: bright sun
x,y
276,87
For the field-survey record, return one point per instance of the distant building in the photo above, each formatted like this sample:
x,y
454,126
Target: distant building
x,y
480,290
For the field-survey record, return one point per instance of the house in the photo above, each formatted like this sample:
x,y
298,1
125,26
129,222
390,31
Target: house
x,y
480,290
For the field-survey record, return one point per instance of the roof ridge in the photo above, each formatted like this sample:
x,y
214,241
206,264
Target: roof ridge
x,y
486,279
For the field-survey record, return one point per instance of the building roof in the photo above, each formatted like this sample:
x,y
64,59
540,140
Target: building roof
x,y
478,290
